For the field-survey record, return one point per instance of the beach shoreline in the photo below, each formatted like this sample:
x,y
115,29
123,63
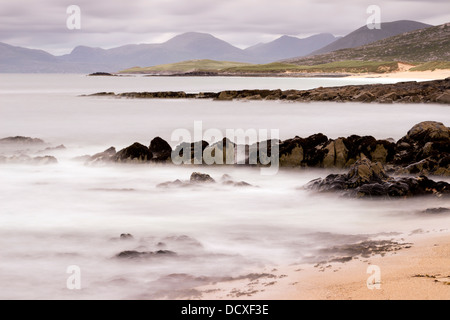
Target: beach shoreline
x,y
422,75
417,272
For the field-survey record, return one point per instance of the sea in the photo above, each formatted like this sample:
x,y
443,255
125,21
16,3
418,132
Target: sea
x,y
60,224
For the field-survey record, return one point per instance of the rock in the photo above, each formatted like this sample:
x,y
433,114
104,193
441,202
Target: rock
x,y
436,210
197,177
380,154
185,146
225,96
365,96
366,178
135,152
104,156
21,140
160,149
133,254
444,98
176,183
429,131
337,154
44,160
126,236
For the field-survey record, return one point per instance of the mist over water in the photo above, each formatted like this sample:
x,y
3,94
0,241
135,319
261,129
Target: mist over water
x,y
67,213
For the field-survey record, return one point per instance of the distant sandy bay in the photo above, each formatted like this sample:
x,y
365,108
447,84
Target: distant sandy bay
x,y
429,75
419,272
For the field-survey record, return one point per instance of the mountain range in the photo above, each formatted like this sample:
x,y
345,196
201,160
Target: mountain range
x,y
187,46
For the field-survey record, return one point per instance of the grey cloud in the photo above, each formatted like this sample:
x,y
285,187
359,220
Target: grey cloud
x,y
41,24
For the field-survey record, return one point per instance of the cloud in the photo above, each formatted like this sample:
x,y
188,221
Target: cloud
x,y
42,23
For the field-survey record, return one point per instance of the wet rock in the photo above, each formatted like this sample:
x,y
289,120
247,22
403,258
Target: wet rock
x,y
197,177
126,236
424,149
160,149
366,178
133,254
191,149
429,131
226,96
436,210
135,153
337,154
444,98
104,156
308,152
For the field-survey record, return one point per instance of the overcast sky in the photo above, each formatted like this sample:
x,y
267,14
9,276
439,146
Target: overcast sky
x,y
42,23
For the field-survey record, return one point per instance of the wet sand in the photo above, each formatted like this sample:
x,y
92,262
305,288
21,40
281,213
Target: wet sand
x,y
420,270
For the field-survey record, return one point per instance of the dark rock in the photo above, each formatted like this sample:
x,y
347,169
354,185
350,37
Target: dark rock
x,y
306,152
366,178
21,140
104,156
133,254
126,236
436,210
160,149
199,145
197,177
135,152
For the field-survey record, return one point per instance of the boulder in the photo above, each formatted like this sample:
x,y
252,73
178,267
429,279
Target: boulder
x,y
197,177
160,149
135,153
428,131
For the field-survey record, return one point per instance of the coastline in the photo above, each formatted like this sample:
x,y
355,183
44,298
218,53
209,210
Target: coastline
x,y
420,272
422,75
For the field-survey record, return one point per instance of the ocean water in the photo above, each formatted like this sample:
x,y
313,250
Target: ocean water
x,y
70,214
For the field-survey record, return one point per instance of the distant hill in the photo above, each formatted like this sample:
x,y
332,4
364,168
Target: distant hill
x,y
17,59
186,66
187,46
364,35
287,46
429,44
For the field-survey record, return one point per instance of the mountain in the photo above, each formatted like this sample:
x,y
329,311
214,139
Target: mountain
x,y
364,35
187,46
423,45
17,59
287,46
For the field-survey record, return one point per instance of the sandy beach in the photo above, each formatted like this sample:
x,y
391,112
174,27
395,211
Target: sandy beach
x,y
405,74
420,271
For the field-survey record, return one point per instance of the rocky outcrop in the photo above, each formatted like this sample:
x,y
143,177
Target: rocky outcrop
x,y
133,254
369,179
134,153
21,140
435,91
424,150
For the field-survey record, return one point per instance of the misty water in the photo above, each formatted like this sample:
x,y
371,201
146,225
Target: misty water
x,y
65,214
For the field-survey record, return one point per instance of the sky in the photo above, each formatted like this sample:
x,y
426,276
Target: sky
x,y
41,24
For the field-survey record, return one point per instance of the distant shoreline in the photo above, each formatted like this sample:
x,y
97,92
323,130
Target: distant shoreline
x,y
435,91
438,74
